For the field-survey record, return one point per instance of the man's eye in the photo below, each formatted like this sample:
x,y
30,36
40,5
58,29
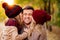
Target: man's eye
x,y
27,14
30,14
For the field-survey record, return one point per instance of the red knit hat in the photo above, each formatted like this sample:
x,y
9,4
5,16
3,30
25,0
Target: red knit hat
x,y
11,11
40,16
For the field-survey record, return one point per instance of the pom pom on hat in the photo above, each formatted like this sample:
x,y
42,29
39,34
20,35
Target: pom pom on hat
x,y
4,5
40,16
11,11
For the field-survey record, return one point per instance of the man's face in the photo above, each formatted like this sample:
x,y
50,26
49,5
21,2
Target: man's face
x,y
27,16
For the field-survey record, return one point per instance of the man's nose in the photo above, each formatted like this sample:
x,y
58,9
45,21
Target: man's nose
x,y
27,15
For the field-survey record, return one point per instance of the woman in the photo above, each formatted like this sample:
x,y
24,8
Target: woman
x,y
14,14
39,32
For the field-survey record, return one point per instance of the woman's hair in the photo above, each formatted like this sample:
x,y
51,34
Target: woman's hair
x,y
41,16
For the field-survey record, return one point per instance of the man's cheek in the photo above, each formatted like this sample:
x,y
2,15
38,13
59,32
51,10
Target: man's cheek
x,y
31,17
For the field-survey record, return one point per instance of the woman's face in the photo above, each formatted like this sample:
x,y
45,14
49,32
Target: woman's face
x,y
19,17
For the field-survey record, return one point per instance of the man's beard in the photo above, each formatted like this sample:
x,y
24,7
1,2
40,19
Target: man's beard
x,y
28,23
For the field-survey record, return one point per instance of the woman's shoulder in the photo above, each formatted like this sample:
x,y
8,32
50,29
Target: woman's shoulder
x,y
39,28
11,22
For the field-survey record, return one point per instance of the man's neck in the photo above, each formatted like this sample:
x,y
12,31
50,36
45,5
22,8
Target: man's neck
x,y
28,26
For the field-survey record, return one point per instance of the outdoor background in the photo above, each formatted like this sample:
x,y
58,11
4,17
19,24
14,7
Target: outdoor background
x,y
50,6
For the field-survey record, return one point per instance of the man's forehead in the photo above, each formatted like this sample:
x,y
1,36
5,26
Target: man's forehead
x,y
28,11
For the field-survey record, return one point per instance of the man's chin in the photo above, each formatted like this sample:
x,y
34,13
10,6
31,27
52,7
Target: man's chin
x,y
28,23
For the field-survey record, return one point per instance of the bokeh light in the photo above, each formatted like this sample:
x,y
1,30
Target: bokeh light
x,y
10,2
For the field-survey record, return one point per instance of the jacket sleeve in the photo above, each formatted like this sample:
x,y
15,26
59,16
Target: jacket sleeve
x,y
21,36
14,33
25,34
9,33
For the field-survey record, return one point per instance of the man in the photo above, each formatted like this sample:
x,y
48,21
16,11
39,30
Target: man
x,y
28,22
35,31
